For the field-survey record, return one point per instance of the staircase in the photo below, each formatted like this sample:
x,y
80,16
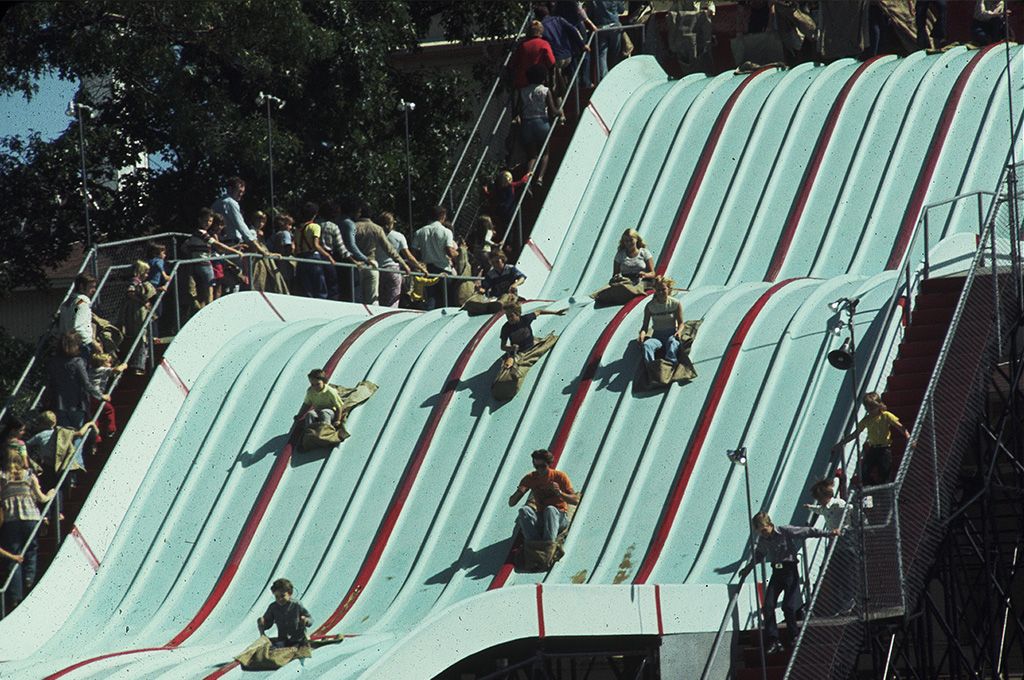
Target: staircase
x,y
749,667
912,370
124,399
933,311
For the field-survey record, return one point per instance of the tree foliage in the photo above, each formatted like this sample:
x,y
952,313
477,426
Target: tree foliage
x,y
179,81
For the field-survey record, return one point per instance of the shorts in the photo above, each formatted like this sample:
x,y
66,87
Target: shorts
x,y
534,130
203,274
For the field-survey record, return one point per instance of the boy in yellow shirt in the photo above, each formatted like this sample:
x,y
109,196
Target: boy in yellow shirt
x,y
877,462
322,399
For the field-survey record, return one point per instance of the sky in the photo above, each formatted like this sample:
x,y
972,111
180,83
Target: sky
x,y
44,113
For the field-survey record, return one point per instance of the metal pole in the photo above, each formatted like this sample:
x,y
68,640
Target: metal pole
x,y
408,161
85,181
764,579
270,158
925,249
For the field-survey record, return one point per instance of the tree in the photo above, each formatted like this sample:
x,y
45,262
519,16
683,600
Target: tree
x,y
178,81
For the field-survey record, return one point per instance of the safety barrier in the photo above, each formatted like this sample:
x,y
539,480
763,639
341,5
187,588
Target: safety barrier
x,y
878,569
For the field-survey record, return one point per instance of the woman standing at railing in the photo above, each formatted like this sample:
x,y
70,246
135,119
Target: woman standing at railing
x,y
21,493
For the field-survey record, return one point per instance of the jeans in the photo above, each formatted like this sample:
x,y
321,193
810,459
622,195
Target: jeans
x,y
658,339
938,33
544,527
13,537
311,276
368,281
609,45
877,465
787,582
322,416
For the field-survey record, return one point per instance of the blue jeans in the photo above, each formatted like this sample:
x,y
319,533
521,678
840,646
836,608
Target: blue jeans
x,y
323,416
785,582
609,44
544,527
658,339
311,276
13,537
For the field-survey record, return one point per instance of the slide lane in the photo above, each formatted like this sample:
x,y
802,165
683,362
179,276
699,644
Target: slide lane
x,y
781,196
315,346
985,98
977,142
887,168
837,200
598,125
587,224
785,403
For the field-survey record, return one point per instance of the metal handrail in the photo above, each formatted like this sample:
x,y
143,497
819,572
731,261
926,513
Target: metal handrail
x,y
43,338
476,126
721,629
80,445
516,217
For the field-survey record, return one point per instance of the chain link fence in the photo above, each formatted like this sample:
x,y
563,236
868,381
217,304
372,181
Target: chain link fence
x,y
877,569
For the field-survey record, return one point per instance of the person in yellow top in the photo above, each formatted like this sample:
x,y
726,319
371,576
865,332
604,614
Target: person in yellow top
x,y
323,401
877,462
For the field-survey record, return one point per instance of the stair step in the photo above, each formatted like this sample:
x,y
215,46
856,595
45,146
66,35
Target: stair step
x,y
921,364
933,315
921,332
921,348
943,284
908,381
936,301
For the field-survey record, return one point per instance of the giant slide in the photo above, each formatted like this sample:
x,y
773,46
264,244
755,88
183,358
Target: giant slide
x,y
765,196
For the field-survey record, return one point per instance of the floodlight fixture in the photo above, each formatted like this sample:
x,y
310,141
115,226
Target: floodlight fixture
x,y
738,456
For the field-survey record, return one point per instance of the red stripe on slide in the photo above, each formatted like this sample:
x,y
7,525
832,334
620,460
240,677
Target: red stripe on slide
x,y
540,610
69,669
173,375
408,479
90,556
702,166
271,305
804,192
569,417
657,605
704,421
599,119
263,502
932,159
536,251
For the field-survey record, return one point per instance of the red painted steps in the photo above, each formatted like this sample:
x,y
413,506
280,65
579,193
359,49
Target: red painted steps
x,y
934,306
749,660
124,398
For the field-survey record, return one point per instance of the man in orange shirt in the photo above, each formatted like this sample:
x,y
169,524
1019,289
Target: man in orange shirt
x,y
552,490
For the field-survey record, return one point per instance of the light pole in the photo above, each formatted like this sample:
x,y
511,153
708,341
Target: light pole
x,y
739,457
844,359
405,107
269,99
73,110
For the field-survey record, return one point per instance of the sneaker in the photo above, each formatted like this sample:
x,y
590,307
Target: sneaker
x,y
776,648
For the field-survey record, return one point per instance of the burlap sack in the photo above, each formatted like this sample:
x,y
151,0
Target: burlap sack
x,y
618,292
260,656
480,304
542,555
509,380
325,435
660,373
